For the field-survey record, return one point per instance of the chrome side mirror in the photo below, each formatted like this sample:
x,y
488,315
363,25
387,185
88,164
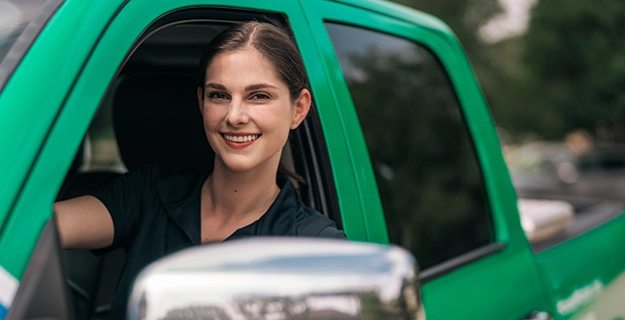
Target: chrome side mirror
x,y
279,278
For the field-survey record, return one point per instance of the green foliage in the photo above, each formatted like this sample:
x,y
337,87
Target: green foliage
x,y
566,73
466,17
575,59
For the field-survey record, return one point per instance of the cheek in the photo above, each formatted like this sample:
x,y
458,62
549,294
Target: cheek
x,y
211,124
276,120
211,117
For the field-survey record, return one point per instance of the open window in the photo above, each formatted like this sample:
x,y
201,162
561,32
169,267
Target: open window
x,y
150,116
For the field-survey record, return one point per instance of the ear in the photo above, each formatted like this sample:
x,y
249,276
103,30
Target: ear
x,y
200,98
302,106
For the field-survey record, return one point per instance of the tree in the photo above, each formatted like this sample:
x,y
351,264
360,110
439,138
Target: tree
x,y
575,57
466,17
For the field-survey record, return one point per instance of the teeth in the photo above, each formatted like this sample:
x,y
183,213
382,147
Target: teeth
x,y
241,138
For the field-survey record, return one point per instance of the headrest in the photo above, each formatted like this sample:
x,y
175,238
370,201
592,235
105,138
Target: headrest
x,y
157,121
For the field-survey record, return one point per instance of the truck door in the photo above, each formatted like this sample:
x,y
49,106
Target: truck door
x,y
107,57
424,149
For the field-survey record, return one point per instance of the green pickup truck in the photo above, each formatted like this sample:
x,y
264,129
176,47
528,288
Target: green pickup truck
x,y
400,148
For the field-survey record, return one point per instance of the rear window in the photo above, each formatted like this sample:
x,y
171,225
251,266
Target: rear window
x,y
426,168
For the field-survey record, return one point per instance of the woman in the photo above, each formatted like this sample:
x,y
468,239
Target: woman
x,y
253,91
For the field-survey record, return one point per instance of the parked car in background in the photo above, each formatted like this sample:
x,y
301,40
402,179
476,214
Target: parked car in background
x,y
400,148
550,169
588,176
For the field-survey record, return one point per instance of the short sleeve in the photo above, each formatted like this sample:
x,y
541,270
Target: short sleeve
x,y
331,232
124,199
318,226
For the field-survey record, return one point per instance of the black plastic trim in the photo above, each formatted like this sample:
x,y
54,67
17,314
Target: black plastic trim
x,y
304,145
322,168
43,293
26,39
459,261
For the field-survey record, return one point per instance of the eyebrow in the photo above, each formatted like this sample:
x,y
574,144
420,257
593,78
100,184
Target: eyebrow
x,y
214,86
251,87
258,86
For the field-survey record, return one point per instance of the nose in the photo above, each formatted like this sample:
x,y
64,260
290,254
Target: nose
x,y
237,113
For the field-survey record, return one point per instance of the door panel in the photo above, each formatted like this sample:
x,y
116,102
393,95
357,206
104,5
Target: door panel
x,y
43,293
495,281
585,276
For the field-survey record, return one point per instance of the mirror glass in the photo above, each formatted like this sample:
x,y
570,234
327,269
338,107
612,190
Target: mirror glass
x,y
279,278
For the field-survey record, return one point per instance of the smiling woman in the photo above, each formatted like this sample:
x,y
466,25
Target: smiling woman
x,y
251,113
248,112
249,103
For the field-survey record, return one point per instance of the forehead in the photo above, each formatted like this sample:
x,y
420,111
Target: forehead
x,y
241,66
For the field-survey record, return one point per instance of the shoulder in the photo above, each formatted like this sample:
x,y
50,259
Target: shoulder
x,y
145,174
144,182
152,174
311,223
308,221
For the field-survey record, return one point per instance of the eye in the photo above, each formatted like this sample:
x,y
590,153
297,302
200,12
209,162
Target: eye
x,y
217,95
259,96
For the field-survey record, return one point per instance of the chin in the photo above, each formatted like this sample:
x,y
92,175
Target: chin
x,y
246,164
237,164
239,167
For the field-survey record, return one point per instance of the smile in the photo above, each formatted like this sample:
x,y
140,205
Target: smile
x,y
241,138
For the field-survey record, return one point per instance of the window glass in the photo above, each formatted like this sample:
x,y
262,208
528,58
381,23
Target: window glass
x,y
424,162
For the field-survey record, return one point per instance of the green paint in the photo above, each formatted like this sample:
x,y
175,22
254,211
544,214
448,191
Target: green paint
x,y
47,106
29,104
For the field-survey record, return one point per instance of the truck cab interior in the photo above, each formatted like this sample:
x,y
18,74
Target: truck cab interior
x,y
150,116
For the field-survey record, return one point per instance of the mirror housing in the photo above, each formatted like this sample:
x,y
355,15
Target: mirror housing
x,y
280,278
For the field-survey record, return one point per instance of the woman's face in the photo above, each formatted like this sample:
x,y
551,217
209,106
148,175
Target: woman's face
x,y
247,110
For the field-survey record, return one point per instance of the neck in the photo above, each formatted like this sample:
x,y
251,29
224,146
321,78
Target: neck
x,y
238,196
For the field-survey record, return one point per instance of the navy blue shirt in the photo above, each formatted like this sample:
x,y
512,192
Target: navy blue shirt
x,y
156,212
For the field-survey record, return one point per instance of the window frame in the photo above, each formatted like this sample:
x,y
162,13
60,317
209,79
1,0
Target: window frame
x,y
450,264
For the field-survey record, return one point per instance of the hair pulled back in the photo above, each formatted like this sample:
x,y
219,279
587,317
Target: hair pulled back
x,y
270,41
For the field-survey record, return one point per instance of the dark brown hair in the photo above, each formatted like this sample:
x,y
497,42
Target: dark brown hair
x,y
273,44
270,41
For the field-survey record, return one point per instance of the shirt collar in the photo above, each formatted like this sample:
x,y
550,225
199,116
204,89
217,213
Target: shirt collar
x,y
280,218
180,196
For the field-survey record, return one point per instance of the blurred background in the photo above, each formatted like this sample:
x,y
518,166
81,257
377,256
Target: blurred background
x,y
553,73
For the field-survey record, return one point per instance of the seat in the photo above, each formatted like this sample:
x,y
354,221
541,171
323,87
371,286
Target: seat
x,y
156,120
83,267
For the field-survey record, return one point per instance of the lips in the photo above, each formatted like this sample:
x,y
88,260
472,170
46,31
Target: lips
x,y
239,140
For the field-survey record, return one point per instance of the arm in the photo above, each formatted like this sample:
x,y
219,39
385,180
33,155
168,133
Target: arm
x,y
84,223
